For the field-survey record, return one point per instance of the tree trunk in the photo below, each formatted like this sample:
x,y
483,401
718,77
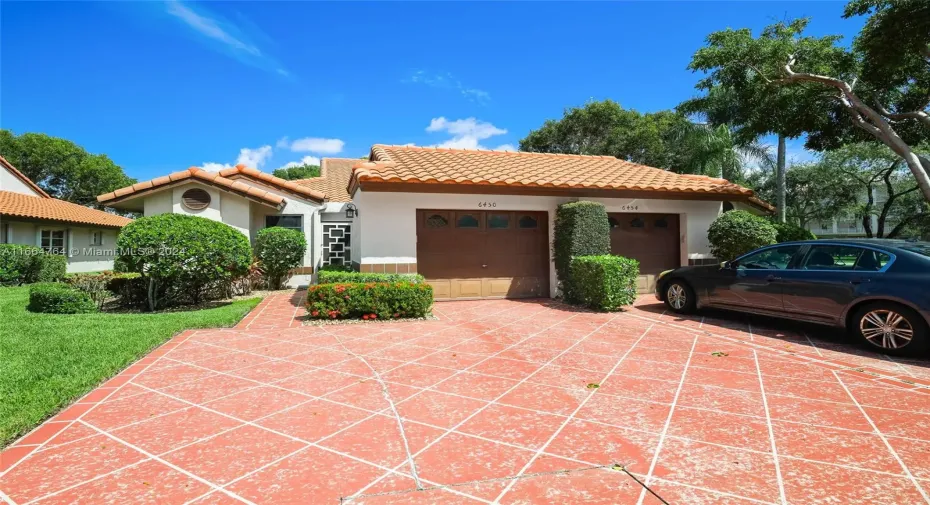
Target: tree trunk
x,y
780,179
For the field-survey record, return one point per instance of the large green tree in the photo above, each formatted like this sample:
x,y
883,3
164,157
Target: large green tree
x,y
813,191
606,128
298,172
876,90
885,190
62,168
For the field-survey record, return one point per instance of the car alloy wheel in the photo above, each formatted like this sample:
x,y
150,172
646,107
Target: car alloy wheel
x,y
886,329
677,296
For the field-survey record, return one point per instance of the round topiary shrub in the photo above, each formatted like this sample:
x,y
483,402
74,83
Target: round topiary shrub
x,y
179,257
59,298
278,251
737,232
787,232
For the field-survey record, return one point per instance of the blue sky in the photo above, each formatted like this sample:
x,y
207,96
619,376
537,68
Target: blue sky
x,y
160,86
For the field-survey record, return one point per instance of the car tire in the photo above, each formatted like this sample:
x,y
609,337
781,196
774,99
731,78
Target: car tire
x,y
679,297
885,326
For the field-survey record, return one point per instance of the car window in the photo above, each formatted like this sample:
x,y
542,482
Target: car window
x,y
834,257
776,258
872,261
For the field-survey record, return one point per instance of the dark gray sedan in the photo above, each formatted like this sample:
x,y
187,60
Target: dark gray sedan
x,y
879,290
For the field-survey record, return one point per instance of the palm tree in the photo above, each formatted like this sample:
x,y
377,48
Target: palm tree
x,y
714,151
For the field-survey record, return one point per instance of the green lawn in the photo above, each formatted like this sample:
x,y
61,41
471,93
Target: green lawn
x,y
49,360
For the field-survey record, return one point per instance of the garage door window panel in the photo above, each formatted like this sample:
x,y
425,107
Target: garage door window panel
x,y
468,220
436,220
498,221
528,223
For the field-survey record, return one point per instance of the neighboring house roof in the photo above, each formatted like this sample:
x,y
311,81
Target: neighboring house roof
x,y
19,175
196,174
436,166
44,207
277,182
335,174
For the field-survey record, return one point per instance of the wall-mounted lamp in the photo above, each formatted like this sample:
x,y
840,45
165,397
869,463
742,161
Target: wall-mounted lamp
x,y
351,211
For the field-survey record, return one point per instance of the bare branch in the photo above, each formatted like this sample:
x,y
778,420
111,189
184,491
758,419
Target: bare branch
x,y
919,115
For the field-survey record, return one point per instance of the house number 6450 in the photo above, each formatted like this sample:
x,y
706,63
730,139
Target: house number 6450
x,y
487,205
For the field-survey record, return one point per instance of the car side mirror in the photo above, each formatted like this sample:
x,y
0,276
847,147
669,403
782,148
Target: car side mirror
x,y
728,265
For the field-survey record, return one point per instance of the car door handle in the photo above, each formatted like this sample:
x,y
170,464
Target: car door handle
x,y
858,280
771,278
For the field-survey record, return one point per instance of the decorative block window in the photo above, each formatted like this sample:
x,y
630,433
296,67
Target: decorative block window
x,y
337,241
294,222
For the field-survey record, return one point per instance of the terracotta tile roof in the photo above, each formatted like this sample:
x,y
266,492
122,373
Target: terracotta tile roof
x,y
21,176
425,165
38,207
199,175
284,185
335,174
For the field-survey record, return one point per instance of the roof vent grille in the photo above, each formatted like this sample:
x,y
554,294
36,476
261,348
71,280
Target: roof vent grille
x,y
196,199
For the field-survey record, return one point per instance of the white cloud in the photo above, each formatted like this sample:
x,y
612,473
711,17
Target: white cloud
x,y
283,143
447,81
252,158
467,133
306,160
224,35
316,145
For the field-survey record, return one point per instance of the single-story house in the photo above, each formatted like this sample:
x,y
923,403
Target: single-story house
x,y
476,224
29,216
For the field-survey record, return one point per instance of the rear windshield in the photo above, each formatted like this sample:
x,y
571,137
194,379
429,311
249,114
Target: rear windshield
x,y
922,249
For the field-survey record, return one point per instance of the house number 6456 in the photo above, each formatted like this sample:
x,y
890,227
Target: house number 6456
x,y
487,205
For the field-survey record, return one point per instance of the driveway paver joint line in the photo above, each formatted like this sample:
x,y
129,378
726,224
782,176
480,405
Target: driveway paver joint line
x,y
881,435
349,499
668,422
387,397
768,422
578,408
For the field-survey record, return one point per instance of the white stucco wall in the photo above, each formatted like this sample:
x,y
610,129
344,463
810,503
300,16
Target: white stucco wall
x,y
82,256
157,203
9,182
386,228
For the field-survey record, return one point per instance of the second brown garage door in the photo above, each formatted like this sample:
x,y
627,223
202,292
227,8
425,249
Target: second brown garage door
x,y
652,239
484,254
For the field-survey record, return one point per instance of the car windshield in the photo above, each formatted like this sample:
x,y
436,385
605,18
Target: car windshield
x,y
921,248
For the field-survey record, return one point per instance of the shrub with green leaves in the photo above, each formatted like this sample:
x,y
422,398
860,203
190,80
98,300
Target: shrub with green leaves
x,y
581,229
130,289
336,268
329,277
604,282
20,264
180,257
279,250
787,232
94,284
737,232
373,300
59,298
53,269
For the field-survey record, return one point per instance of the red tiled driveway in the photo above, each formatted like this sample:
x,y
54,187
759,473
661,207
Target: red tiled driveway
x,y
496,402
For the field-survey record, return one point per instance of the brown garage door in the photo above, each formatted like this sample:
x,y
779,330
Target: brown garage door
x,y
484,254
652,239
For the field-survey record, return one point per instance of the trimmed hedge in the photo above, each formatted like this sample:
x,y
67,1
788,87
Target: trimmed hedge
x,y
279,250
378,300
787,232
330,277
59,298
130,289
604,282
737,232
19,264
182,257
25,264
581,229
53,269
336,268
